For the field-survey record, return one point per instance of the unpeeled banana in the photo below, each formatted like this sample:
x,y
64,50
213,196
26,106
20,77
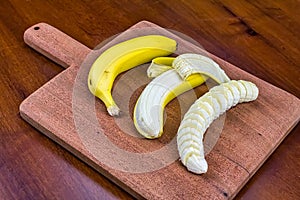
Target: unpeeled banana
x,y
186,73
201,114
122,57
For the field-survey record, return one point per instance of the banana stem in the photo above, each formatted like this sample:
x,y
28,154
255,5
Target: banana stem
x,y
113,110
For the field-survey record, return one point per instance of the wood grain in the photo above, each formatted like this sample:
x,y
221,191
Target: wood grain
x,y
33,167
63,110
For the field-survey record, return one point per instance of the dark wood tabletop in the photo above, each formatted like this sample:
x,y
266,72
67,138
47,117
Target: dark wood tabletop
x,y
260,37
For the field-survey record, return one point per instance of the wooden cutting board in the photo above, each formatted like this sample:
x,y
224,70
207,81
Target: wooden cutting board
x,y
64,110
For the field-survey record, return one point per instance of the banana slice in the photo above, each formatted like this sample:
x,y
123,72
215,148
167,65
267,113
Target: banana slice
x,y
196,120
207,97
242,90
251,91
219,97
234,91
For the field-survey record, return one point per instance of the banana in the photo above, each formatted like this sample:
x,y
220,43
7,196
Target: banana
x,y
200,115
148,111
159,65
190,63
122,57
186,73
187,64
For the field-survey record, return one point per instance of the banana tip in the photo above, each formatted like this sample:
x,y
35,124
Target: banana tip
x,y
197,165
113,110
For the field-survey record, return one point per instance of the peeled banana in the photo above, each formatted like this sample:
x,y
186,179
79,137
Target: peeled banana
x,y
190,63
201,114
148,111
122,57
159,65
186,73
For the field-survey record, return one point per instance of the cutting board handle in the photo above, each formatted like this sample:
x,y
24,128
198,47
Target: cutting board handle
x,y
56,45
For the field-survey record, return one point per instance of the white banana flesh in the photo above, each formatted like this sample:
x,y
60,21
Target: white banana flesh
x,y
186,73
148,112
201,114
159,65
190,63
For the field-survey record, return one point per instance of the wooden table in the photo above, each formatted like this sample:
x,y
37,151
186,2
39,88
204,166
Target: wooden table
x,y
259,37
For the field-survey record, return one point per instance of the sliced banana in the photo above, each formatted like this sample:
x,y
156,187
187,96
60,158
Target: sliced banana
x,y
201,114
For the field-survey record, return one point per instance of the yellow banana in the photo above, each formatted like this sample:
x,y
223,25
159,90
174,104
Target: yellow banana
x,y
185,74
122,57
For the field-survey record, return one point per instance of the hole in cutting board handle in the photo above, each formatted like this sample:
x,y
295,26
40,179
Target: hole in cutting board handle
x,y
36,28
